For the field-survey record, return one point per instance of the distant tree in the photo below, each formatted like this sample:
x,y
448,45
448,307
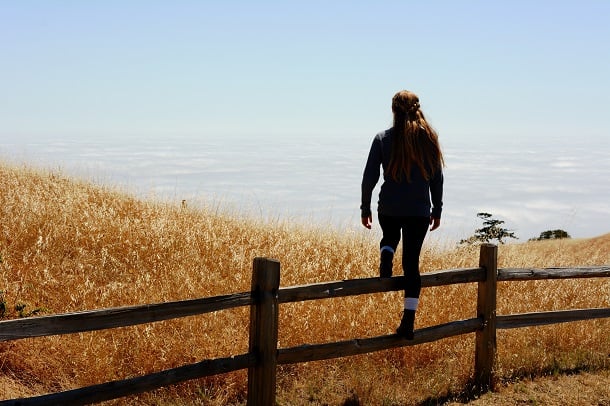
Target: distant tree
x,y
490,231
552,235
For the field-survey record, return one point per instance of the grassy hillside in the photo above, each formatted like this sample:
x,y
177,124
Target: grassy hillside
x,y
68,245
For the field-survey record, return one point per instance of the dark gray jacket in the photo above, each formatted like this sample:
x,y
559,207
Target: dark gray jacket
x,y
420,197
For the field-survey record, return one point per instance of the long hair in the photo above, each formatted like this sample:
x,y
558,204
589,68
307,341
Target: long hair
x,y
415,142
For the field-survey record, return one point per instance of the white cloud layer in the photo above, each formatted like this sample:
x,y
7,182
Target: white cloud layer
x,y
318,179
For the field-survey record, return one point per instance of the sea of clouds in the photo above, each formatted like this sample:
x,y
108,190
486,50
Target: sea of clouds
x,y
531,186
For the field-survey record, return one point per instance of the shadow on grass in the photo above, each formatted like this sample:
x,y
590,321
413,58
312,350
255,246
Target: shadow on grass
x,y
472,392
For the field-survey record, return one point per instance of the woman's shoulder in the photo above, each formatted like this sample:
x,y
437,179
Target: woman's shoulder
x,y
384,134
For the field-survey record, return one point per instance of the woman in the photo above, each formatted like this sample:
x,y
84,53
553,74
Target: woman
x,y
411,194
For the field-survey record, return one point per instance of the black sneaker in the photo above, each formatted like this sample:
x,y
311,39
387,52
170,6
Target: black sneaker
x,y
407,325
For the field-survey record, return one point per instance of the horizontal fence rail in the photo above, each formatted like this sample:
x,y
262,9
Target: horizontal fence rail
x,y
264,300
532,274
91,320
146,383
545,318
80,322
353,287
318,352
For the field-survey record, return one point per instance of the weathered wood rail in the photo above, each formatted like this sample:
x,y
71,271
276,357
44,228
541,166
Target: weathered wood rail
x,y
264,299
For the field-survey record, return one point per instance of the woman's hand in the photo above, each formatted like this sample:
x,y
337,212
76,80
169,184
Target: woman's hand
x,y
367,221
434,223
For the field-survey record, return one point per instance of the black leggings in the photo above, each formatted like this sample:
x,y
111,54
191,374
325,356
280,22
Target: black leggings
x,y
414,229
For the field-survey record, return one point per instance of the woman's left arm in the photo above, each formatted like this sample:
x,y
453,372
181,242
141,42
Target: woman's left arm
x,y
436,193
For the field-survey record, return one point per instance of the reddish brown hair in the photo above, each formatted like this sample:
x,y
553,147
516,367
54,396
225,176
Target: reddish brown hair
x,y
415,142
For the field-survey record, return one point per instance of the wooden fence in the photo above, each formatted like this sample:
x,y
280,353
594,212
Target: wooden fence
x,y
264,299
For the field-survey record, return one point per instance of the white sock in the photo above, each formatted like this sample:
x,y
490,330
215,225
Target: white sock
x,y
411,303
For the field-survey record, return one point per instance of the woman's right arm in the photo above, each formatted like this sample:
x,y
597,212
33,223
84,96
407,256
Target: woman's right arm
x,y
370,178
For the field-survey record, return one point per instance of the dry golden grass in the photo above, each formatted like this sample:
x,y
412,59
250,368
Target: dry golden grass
x,y
559,390
68,245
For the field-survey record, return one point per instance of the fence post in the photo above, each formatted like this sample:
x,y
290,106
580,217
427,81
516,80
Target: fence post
x,y
263,332
485,351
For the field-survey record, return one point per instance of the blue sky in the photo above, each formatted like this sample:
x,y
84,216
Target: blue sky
x,y
518,90
483,69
